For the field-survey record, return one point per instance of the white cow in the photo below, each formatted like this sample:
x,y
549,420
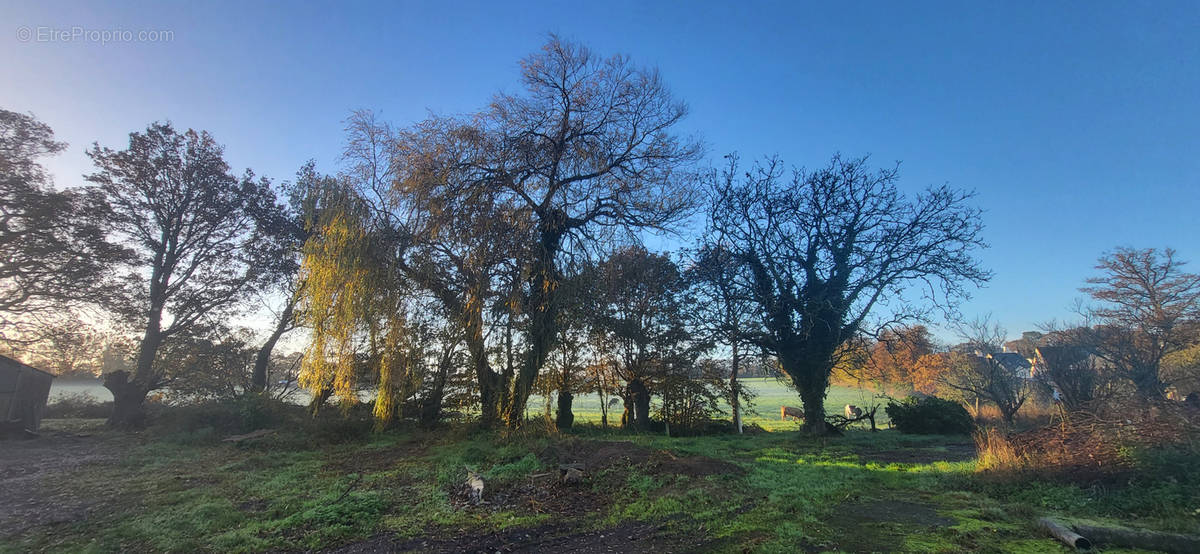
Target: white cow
x,y
853,411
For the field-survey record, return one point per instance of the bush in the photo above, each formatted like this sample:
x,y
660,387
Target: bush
x,y
929,416
237,415
77,405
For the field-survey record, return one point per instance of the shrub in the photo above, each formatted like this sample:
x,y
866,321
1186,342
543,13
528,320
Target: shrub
x,y
690,406
996,452
77,405
929,416
237,415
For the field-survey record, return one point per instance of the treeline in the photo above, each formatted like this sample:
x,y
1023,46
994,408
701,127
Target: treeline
x,y
468,262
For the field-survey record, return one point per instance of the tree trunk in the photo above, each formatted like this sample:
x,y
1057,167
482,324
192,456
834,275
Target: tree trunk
x,y
638,397
809,372
1148,384
603,403
565,417
542,332
129,394
491,384
319,399
814,411
129,400
431,407
490,393
258,380
734,391
627,410
1009,414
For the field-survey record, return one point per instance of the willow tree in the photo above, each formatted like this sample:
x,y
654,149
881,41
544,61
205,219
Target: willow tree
x,y
462,249
366,320
819,252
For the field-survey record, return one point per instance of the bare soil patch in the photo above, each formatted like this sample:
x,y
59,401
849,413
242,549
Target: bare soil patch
x,y
34,472
878,526
958,452
598,455
557,537
371,460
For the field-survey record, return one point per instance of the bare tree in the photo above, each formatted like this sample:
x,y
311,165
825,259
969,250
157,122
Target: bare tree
x,y
726,314
587,151
818,252
190,223
983,372
1147,308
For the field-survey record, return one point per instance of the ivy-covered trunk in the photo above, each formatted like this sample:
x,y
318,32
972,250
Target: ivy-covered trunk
x,y
564,418
542,331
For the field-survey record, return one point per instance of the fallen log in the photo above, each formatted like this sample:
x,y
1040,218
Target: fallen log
x,y
249,436
1142,539
1064,534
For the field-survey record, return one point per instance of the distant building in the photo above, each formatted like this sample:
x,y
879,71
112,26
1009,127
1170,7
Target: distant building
x,y
23,393
1013,362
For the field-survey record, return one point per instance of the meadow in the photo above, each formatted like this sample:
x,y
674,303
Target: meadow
x,y
769,394
333,484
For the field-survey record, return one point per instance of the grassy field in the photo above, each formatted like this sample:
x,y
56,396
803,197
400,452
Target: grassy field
x,y
331,483
769,395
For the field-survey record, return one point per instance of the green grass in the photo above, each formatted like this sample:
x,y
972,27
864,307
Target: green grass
x,y
769,395
185,491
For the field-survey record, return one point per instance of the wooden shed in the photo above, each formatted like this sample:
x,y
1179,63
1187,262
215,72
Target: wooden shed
x,y
23,393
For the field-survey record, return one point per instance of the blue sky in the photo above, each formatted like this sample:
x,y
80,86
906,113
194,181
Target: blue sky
x,y
1077,123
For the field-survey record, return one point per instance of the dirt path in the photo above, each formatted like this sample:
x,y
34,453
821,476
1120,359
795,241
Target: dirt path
x,y
32,473
636,537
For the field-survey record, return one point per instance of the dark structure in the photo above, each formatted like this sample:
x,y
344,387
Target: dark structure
x,y
23,393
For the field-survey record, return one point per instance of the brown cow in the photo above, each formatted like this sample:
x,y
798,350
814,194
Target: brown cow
x,y
853,411
785,411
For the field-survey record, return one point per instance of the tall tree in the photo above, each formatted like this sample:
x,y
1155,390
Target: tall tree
x,y
286,226
1147,307
190,223
586,151
726,315
641,319
895,357
54,250
818,252
464,247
